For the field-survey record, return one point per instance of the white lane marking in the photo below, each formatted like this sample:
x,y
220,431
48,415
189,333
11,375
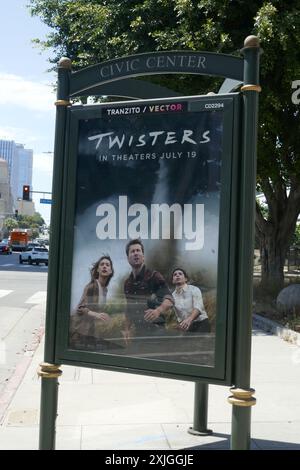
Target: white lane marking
x,y
30,266
37,298
3,292
8,264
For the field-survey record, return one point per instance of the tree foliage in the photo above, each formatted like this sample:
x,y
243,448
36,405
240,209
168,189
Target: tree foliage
x,y
96,30
89,32
31,221
9,224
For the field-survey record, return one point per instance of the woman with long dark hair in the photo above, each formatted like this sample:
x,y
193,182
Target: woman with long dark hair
x,y
91,306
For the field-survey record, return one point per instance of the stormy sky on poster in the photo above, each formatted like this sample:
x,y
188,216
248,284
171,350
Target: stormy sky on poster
x,y
153,174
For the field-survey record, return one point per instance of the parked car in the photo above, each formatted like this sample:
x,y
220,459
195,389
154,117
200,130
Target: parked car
x,y
34,245
41,241
5,249
36,254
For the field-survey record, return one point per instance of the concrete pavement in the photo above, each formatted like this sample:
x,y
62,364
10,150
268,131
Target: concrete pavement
x,y
110,410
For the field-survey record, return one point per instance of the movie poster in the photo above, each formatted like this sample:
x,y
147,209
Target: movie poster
x,y
148,174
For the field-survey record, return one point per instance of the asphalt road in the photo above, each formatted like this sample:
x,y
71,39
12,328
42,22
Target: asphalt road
x,y
11,263
22,311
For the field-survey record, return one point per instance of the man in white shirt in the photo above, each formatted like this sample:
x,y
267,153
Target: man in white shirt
x,y
190,311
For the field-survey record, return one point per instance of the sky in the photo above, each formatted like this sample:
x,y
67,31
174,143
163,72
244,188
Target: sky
x,y
27,111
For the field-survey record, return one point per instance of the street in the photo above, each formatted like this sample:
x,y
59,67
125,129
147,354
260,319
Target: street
x,y
11,263
22,309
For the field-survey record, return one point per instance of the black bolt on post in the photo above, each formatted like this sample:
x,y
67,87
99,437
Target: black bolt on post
x,y
242,395
200,411
49,371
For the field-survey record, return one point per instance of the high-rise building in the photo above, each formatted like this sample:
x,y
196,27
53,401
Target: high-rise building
x,y
22,174
19,162
8,152
6,204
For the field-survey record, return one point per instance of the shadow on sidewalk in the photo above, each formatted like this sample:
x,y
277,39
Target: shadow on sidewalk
x,y
256,444
258,332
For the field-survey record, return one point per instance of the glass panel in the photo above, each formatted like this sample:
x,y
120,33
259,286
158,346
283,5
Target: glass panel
x,y
149,175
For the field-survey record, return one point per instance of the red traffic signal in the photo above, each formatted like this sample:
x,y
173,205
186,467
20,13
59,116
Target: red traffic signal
x,y
26,192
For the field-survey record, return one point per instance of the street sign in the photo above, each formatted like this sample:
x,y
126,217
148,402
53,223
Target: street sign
x,y
46,201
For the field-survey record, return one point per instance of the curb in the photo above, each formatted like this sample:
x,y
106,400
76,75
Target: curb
x,y
276,329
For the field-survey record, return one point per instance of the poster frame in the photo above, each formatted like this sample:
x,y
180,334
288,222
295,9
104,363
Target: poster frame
x,y
223,370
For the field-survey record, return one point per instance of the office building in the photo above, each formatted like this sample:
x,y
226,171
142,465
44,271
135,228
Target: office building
x,y
19,162
6,202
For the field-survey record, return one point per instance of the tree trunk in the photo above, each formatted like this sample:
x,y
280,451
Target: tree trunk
x,y
275,233
273,254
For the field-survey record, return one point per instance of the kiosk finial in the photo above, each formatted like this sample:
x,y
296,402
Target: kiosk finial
x,y
251,41
65,63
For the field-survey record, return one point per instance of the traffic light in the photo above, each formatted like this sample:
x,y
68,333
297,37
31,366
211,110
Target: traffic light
x,y
26,192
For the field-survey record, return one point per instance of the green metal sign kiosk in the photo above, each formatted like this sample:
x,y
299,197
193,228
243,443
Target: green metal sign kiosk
x,y
149,192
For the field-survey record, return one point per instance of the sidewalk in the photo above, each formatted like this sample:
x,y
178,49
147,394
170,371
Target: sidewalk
x,y
110,410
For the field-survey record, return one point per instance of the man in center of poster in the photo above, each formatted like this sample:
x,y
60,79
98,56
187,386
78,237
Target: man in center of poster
x,y
148,297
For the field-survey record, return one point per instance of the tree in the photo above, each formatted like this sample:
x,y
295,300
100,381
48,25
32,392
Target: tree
x,y
34,232
279,139
8,225
296,237
92,31
31,221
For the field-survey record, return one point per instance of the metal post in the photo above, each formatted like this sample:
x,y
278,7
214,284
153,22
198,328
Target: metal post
x,y
49,371
241,397
49,398
200,410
